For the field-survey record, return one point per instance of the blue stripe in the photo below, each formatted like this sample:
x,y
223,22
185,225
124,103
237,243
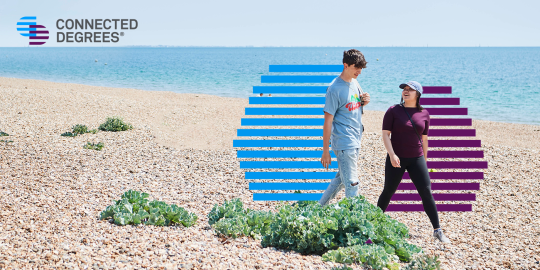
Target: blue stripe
x,y
277,143
290,175
297,79
29,18
289,89
28,35
287,100
288,186
26,23
287,196
285,165
26,29
282,121
306,68
284,111
281,154
279,132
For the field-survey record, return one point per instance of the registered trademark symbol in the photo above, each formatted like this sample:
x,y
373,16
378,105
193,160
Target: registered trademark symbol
x,y
121,34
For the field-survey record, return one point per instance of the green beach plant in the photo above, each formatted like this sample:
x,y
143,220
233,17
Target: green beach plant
x,y
424,262
78,130
115,124
94,146
134,208
338,232
2,134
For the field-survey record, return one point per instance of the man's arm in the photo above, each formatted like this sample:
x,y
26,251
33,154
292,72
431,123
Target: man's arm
x,y
326,159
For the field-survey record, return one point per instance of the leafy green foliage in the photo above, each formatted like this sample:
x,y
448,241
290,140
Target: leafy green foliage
x,y
2,134
68,134
338,231
115,124
134,208
94,146
343,267
424,262
78,130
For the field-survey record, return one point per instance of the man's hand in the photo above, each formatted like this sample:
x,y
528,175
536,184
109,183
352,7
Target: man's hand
x,y
365,98
326,159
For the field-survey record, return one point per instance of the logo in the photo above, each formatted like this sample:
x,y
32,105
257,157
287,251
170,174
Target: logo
x,y
28,27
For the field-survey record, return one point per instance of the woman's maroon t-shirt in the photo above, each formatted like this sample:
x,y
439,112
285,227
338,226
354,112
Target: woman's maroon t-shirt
x,y
405,142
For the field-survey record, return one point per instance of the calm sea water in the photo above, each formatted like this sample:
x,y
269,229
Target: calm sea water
x,y
498,84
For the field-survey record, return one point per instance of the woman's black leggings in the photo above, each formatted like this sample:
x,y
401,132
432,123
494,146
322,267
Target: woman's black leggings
x,y
418,172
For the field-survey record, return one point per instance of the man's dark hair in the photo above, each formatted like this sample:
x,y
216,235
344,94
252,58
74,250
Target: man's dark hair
x,y
354,57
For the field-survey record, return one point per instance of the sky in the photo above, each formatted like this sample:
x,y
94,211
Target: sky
x,y
310,23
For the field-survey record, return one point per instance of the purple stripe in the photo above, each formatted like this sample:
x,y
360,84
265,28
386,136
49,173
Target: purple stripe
x,y
455,154
447,111
437,90
39,32
440,207
38,37
437,197
443,186
451,175
439,101
454,143
457,164
37,43
450,122
452,132
37,26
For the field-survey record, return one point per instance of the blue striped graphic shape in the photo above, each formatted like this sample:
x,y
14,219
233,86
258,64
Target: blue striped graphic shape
x,y
290,175
285,165
287,100
29,18
279,132
26,23
282,121
288,186
289,89
284,111
287,196
281,154
28,35
306,68
26,29
297,79
278,143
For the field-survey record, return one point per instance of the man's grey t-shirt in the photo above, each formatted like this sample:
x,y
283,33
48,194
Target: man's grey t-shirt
x,y
343,102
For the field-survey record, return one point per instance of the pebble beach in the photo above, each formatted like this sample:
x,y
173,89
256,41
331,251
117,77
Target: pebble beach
x,y
180,151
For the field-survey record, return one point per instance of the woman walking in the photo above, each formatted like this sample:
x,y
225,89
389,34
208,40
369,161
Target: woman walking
x,y
408,123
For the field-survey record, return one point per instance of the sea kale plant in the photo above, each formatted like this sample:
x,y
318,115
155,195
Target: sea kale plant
x,y
94,146
115,124
2,134
78,130
134,208
338,232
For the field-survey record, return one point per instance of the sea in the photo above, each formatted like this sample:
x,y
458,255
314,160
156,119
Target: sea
x,y
496,84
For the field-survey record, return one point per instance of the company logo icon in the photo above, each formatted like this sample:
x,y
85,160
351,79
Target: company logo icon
x,y
28,27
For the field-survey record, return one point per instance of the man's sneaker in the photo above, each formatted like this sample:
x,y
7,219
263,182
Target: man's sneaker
x,y
440,235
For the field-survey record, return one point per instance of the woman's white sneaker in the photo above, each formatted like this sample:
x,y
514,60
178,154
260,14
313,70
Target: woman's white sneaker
x,y
440,235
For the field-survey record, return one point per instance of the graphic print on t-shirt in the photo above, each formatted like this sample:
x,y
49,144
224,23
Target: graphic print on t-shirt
x,y
354,104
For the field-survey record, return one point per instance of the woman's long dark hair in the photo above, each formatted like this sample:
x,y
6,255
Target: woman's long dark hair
x,y
420,108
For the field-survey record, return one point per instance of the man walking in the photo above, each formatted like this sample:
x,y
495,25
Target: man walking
x,y
343,125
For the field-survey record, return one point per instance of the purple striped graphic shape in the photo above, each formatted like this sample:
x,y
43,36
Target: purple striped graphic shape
x,y
450,122
436,196
447,111
452,132
440,207
437,90
451,175
457,164
454,143
37,43
443,186
39,37
36,26
39,32
455,154
439,101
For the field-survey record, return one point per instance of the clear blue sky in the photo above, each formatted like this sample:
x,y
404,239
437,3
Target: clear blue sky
x,y
292,22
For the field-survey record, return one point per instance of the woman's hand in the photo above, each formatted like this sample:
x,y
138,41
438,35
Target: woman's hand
x,y
326,159
395,161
